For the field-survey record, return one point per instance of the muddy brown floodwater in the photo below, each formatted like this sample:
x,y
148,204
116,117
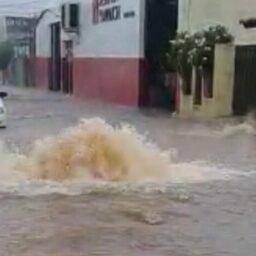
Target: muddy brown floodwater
x,y
204,206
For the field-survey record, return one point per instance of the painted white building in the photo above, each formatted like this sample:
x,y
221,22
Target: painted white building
x,y
107,48
102,48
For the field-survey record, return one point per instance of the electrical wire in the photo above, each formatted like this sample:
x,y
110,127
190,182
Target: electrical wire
x,y
29,7
18,4
15,3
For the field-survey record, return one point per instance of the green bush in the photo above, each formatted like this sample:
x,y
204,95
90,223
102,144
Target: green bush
x,y
202,55
6,54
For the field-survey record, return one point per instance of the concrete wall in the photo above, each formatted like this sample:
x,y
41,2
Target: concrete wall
x,y
197,14
223,81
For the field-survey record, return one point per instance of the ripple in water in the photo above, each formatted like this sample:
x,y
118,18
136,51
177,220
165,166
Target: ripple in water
x,y
95,156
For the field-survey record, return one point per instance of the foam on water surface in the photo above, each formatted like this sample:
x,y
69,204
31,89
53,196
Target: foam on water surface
x,y
96,155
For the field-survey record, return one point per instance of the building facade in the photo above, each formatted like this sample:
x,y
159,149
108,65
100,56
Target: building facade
x,y
20,31
105,50
97,49
114,50
238,93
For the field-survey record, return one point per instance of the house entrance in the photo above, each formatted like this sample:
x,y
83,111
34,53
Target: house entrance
x,y
160,28
245,80
67,68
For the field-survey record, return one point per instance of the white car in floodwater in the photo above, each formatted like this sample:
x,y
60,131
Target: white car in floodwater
x,y
3,117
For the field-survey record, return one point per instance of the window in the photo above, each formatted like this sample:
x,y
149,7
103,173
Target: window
x,y
63,16
74,15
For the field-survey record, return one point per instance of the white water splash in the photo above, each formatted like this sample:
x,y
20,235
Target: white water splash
x,y
243,128
95,154
248,126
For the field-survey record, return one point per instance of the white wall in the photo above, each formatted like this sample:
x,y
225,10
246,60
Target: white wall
x,y
120,38
43,33
197,14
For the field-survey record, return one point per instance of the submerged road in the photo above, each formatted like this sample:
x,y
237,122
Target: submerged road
x,y
210,211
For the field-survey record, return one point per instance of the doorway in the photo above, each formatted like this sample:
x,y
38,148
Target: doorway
x,y
55,59
67,68
245,80
161,26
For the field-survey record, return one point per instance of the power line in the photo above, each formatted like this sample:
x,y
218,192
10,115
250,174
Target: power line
x,y
32,4
25,8
8,10
15,3
20,3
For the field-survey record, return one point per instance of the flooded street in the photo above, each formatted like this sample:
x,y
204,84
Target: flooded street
x,y
204,207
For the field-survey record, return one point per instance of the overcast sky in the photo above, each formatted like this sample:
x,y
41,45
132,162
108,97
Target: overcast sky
x,y
24,7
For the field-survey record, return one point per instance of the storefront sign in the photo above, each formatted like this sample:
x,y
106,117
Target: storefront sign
x,y
107,10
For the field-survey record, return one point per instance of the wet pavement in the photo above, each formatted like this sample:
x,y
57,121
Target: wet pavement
x,y
209,216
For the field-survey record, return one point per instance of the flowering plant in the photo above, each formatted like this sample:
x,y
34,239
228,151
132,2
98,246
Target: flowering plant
x,y
178,58
188,50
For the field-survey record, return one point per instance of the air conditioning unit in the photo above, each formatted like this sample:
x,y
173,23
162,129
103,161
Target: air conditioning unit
x,y
70,17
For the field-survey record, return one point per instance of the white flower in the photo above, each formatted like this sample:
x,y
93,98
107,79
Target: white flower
x,y
205,59
187,36
202,42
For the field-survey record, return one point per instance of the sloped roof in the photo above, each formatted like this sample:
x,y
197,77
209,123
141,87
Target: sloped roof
x,y
42,14
248,23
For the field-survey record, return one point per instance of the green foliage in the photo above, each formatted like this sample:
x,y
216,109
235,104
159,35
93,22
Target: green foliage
x,y
217,35
6,54
202,55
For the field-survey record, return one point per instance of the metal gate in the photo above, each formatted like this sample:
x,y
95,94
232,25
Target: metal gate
x,y
245,80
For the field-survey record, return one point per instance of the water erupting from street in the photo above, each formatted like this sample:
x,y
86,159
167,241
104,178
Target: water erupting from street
x,y
101,157
96,150
92,150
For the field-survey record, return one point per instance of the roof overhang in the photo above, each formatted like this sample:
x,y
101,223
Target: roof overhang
x,y
248,23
